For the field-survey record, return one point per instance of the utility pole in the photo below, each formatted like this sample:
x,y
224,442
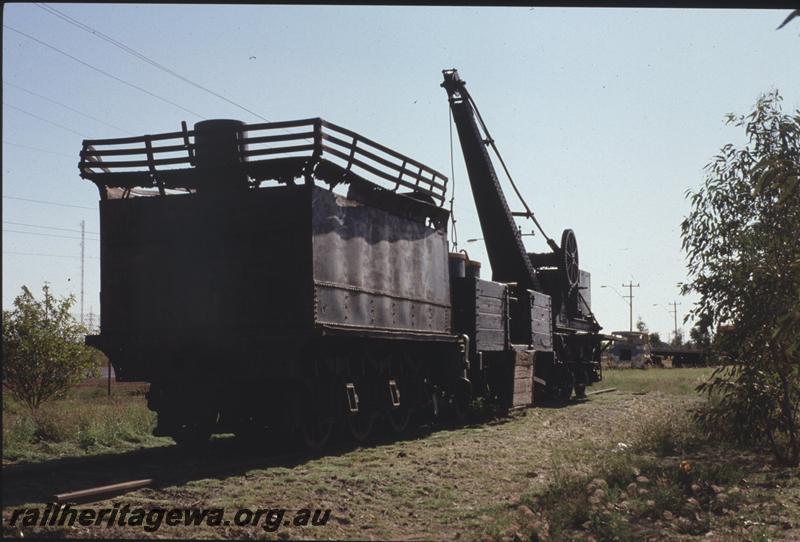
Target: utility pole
x,y
675,316
83,243
630,286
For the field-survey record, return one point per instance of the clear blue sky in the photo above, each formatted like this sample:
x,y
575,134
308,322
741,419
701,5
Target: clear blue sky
x,y
604,116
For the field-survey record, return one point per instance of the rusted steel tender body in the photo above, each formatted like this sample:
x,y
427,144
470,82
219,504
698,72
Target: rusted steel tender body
x,y
295,277
250,306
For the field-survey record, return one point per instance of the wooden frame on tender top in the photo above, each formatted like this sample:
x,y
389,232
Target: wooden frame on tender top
x,y
313,141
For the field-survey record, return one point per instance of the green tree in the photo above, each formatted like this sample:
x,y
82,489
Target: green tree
x,y
641,327
43,350
741,239
655,339
700,335
677,340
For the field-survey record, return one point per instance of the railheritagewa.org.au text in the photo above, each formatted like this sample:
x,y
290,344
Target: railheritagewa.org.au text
x,y
152,519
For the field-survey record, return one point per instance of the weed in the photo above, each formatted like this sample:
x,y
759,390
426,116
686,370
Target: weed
x,y
84,421
719,473
611,526
481,409
52,425
18,436
668,496
670,432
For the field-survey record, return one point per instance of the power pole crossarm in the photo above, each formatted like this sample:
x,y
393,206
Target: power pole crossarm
x,y
630,286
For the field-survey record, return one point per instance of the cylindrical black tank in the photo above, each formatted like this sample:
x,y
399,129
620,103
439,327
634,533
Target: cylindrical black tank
x,y
457,265
218,152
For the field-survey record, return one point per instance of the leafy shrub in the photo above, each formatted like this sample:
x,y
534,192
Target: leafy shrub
x,y
744,263
43,350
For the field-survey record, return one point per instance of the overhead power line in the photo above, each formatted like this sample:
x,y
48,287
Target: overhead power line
x,y
65,106
47,227
34,115
48,255
38,149
140,56
50,203
45,235
137,87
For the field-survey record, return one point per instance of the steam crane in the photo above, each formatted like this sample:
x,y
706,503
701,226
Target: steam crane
x,y
576,341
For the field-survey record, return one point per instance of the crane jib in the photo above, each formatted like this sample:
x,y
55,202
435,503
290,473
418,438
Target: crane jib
x,y
507,254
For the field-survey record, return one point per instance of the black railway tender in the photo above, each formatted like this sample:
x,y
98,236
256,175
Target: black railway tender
x,y
294,307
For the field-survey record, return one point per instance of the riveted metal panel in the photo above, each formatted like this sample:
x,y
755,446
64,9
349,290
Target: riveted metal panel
x,y
372,268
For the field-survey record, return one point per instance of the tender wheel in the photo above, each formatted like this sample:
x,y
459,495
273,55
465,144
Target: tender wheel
x,y
398,419
189,429
458,402
560,384
360,426
311,421
317,432
580,379
192,437
459,407
251,433
564,393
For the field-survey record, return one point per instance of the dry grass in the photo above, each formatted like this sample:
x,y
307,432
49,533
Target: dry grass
x,y
465,483
665,380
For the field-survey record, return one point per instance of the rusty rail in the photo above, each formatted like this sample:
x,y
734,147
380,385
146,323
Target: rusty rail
x,y
606,390
86,495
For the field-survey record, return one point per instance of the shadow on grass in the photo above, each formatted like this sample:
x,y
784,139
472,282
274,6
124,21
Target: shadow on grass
x,y
221,458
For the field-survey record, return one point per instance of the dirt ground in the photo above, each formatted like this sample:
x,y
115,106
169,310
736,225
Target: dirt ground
x,y
436,484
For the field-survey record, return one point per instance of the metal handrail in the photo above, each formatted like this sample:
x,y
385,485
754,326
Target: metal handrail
x,y
319,139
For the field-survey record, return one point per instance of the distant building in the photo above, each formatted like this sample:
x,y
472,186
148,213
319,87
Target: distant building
x,y
632,349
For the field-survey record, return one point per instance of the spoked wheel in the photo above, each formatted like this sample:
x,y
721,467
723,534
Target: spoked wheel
x,y
459,404
360,425
193,430
579,378
317,432
398,419
559,386
398,415
559,392
314,424
569,258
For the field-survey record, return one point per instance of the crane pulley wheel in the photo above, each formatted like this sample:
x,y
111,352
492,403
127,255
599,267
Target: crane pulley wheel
x,y
569,258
